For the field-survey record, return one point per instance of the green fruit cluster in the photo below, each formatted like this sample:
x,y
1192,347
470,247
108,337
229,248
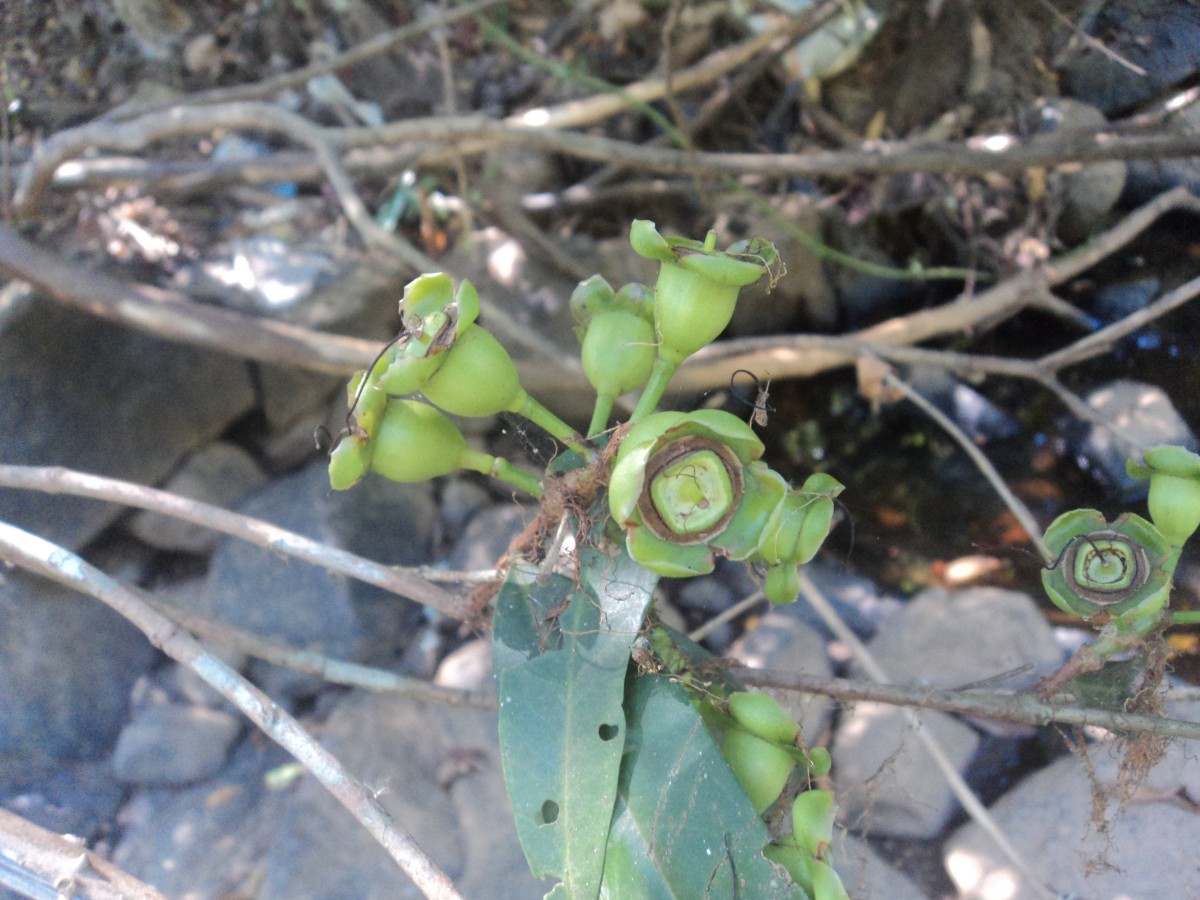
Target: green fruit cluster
x,y
760,744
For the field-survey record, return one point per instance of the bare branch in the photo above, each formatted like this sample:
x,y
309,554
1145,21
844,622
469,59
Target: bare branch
x,y
396,579
38,863
30,552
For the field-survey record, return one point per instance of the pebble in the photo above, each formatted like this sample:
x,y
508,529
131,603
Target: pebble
x,y
174,744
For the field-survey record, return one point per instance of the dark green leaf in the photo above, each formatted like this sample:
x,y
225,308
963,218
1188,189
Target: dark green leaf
x,y
561,656
684,827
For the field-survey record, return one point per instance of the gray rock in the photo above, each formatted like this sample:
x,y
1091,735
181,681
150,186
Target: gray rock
x,y
221,474
287,395
487,536
67,666
780,642
945,640
1142,848
1140,415
438,773
174,744
207,840
308,607
79,392
886,782
1161,37
866,875
79,798
469,667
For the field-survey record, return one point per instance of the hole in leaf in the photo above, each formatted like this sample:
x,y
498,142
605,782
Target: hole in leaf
x,y
548,814
608,732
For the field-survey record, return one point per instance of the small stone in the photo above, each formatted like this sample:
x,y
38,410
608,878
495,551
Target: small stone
x,y
865,874
947,639
886,781
469,667
174,744
1144,847
1144,416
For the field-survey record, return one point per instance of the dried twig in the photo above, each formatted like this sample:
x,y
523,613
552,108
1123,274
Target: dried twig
x,y
30,552
396,579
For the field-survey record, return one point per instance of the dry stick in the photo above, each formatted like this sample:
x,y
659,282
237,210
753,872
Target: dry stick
x,y
60,565
1019,509
792,357
335,671
41,864
1026,708
975,809
270,86
200,120
395,579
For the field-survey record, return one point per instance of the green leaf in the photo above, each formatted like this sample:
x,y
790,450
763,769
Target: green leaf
x,y
684,827
561,655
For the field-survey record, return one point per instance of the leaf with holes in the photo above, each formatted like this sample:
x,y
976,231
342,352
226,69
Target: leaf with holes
x,y
561,655
683,825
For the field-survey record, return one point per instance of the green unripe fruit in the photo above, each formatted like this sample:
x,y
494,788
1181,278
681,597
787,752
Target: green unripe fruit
x,y
415,442
782,584
1174,500
618,352
812,821
819,762
761,767
796,861
826,883
762,715
478,377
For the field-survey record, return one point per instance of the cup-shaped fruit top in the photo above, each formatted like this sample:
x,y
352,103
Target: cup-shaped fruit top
x,y
1174,500
435,318
677,483
1120,569
617,333
697,285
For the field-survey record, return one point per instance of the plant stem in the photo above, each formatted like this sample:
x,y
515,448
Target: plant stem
x,y
531,409
600,413
1186,617
660,377
500,468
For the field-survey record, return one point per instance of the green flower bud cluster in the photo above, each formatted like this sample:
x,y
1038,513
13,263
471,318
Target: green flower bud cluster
x,y
761,745
689,487
458,366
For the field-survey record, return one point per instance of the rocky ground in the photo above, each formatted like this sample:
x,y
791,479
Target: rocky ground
x,y
103,737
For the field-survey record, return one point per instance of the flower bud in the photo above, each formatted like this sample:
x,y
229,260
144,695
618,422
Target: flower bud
x,y
1174,500
697,285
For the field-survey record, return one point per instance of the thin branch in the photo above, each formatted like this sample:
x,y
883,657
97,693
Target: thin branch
x,y
958,785
1025,708
395,579
41,864
1103,340
335,671
30,552
982,463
